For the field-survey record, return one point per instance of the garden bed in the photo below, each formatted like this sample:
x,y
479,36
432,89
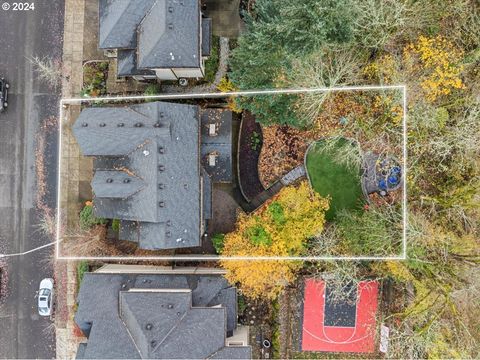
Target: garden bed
x,y
95,78
331,178
250,144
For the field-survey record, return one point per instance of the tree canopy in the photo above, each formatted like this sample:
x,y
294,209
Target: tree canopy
x,y
279,228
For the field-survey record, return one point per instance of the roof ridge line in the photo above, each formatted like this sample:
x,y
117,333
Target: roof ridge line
x,y
137,112
172,329
116,22
126,327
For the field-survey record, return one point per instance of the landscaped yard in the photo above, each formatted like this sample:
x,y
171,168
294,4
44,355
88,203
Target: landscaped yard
x,y
331,178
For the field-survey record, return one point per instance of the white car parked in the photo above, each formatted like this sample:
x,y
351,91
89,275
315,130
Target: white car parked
x,y
45,297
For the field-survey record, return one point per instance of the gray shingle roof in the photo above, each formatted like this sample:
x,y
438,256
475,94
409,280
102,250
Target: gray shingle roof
x,y
124,320
117,184
158,144
207,195
219,144
169,35
127,64
206,36
118,21
233,352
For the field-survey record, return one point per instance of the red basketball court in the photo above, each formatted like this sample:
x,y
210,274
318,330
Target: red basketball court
x,y
332,325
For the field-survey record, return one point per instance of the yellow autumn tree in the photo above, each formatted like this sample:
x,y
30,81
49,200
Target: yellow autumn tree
x,y
434,63
279,228
437,62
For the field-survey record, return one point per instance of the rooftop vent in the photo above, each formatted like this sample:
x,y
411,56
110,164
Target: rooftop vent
x,y
161,186
126,181
170,9
162,114
102,124
84,124
120,124
161,167
169,222
138,124
157,125
161,204
109,180
168,234
170,26
148,326
170,306
153,343
161,149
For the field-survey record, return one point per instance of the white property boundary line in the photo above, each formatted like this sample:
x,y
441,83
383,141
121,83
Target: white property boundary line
x,y
193,257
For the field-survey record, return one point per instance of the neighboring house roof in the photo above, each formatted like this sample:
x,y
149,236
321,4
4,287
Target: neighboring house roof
x,y
118,20
161,33
147,171
159,316
169,35
127,64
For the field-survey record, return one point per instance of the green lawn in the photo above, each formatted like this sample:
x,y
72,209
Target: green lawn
x,y
329,177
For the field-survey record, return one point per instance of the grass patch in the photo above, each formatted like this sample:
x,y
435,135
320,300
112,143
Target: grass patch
x,y
335,178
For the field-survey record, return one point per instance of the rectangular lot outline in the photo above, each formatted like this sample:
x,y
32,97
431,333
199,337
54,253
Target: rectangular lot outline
x,y
199,257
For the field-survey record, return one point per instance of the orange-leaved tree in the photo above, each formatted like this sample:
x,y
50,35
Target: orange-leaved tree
x,y
280,228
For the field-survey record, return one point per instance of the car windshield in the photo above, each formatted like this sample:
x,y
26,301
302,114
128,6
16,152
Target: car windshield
x,y
44,292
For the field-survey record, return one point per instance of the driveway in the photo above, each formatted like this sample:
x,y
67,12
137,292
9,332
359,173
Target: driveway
x,y
23,334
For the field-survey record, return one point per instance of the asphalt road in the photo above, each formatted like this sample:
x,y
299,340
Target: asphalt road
x,y
24,34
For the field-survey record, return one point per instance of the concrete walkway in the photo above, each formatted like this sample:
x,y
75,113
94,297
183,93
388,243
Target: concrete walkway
x,y
66,338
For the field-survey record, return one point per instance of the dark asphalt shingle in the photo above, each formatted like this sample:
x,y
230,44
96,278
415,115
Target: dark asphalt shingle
x,y
139,316
118,21
206,36
169,35
219,145
158,144
127,64
115,184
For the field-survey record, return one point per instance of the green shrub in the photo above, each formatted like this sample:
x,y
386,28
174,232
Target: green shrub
x,y
88,219
217,241
116,225
211,65
275,209
152,89
242,306
255,141
82,268
258,235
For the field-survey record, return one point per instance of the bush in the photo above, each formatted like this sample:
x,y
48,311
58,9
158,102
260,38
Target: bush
x,y
211,65
88,219
95,79
217,241
276,212
82,268
116,225
258,235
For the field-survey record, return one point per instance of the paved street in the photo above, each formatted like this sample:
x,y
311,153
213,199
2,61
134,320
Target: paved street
x,y
23,34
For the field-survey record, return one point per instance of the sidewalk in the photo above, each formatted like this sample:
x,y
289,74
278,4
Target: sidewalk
x,y
67,340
